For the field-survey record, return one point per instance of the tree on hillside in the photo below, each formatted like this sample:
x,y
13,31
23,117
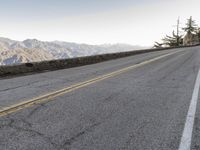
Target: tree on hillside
x,y
172,41
178,36
158,45
198,33
191,26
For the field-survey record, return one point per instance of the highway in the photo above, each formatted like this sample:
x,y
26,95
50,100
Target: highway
x,y
142,102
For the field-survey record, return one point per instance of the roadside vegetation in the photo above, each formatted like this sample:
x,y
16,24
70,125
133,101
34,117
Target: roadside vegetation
x,y
189,35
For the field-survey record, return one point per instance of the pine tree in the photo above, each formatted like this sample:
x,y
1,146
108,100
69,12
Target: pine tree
x,y
158,45
198,33
191,26
171,41
179,38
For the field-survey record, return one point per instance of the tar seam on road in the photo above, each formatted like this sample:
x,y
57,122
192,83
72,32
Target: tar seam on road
x,y
52,95
188,128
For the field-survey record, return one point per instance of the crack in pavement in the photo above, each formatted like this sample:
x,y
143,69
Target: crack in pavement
x,y
70,141
26,128
38,107
12,88
67,144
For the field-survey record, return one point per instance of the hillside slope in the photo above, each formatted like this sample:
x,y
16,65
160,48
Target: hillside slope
x,y
32,50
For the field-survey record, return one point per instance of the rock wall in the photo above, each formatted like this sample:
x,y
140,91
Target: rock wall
x,y
22,69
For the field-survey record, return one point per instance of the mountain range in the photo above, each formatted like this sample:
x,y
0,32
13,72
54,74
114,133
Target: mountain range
x,y
33,50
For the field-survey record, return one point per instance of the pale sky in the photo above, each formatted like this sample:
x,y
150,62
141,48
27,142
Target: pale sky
x,y
135,22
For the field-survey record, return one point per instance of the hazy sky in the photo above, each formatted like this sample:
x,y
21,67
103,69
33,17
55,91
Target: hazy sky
x,y
136,22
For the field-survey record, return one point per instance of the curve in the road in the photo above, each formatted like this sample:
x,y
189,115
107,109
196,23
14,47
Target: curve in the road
x,y
52,95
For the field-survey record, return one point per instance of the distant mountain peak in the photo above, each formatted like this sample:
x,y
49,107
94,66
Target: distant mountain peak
x,y
31,50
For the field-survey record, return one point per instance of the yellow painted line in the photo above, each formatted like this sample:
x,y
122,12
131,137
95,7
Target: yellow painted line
x,y
52,95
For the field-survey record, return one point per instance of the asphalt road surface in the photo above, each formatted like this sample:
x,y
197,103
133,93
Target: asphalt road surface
x,y
143,102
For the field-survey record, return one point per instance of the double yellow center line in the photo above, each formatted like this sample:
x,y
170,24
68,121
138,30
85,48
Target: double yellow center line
x,y
52,95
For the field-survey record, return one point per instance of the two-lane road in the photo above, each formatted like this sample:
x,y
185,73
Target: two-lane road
x,y
139,102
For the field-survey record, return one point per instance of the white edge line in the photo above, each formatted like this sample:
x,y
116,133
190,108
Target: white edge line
x,y
186,139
